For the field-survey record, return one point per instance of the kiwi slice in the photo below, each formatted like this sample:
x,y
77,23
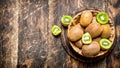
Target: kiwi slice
x,y
102,18
66,19
105,44
56,30
86,38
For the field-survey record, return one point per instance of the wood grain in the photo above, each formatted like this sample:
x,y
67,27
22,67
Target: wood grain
x,y
8,33
33,33
26,40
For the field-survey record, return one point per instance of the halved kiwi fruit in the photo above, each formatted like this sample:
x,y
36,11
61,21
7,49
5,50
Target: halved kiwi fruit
x,y
86,38
105,44
66,19
56,30
102,18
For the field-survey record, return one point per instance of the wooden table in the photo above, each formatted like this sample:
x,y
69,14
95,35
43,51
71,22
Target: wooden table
x,y
26,40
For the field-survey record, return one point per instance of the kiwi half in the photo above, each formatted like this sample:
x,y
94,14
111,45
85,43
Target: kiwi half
x,y
56,30
66,19
102,18
105,44
86,38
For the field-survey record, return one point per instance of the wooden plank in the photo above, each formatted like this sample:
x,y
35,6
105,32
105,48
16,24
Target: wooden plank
x,y
114,58
25,27
33,33
8,33
81,5
56,54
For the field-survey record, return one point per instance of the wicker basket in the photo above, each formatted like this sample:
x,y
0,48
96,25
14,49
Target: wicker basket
x,y
76,21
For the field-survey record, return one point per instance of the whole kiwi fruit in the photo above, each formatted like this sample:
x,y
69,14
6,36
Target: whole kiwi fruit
x,y
86,18
106,31
75,33
94,29
91,50
79,44
97,39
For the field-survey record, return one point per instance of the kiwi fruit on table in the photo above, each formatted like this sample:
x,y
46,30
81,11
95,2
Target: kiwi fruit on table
x,y
79,44
105,44
75,33
56,30
86,18
106,31
102,18
94,29
86,38
91,49
65,20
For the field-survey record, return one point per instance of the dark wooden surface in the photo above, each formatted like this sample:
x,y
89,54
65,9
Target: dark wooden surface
x,y
26,40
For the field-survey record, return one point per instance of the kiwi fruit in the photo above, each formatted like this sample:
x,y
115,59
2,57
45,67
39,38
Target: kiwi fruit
x,y
75,33
91,50
97,39
91,34
102,18
76,20
105,44
106,31
94,29
79,44
66,19
56,30
86,18
86,38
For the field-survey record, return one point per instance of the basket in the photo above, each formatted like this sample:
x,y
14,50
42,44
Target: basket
x,y
75,21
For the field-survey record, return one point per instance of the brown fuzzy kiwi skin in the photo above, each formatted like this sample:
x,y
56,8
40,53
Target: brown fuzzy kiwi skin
x,y
97,39
98,32
91,50
106,31
75,33
86,18
79,44
94,29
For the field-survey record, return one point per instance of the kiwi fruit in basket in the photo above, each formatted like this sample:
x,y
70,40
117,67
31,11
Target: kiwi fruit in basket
x,y
90,33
